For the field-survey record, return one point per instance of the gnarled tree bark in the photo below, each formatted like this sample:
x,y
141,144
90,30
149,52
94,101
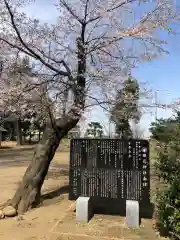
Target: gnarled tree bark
x,y
28,193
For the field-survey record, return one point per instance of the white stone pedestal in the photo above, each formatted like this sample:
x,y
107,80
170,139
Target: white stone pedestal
x,y
83,209
132,214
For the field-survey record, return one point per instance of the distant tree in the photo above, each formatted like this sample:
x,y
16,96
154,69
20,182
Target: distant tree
x,y
21,71
30,121
167,197
163,129
126,107
25,108
123,129
1,132
95,129
13,102
8,122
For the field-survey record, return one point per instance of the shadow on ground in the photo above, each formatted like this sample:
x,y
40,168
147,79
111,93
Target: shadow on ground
x,y
15,157
6,151
55,193
54,196
5,147
58,172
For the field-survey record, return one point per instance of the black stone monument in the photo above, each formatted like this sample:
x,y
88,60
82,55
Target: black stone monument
x,y
110,171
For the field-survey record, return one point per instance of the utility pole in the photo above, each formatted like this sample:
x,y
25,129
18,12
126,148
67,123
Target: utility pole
x,y
159,105
156,107
109,128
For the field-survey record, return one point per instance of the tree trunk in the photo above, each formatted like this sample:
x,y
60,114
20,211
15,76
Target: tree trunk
x,y
39,135
0,138
28,193
30,136
18,131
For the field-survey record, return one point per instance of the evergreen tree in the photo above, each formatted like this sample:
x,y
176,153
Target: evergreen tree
x,y
126,108
95,129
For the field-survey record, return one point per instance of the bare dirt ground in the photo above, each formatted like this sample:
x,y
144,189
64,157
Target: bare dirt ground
x,y
55,218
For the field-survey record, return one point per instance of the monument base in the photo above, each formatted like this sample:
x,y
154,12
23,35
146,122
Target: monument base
x,y
132,214
84,211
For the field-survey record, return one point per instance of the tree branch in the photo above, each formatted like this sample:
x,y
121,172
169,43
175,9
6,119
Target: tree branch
x,y
16,47
109,10
58,62
86,10
29,51
104,44
71,11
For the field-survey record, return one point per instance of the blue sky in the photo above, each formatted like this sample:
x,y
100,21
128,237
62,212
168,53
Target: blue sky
x,y
161,74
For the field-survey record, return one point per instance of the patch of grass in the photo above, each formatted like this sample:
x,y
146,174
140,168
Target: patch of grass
x,y
153,150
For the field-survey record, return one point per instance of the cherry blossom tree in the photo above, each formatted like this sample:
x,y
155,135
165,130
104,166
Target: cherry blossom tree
x,y
18,100
87,53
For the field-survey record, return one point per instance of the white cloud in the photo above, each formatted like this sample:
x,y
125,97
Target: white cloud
x,y
43,10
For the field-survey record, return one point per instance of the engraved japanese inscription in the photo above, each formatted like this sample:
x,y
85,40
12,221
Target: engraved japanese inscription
x,y
109,168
